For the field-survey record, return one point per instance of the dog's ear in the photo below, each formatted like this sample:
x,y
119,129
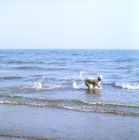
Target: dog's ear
x,y
99,78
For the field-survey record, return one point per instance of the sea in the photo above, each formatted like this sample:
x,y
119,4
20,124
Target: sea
x,y
43,95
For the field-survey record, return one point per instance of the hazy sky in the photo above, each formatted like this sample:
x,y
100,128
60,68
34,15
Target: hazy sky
x,y
69,24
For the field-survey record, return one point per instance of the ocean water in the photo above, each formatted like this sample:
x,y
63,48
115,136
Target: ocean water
x,y
43,95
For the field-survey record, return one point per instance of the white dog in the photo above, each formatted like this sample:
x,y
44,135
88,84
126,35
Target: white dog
x,y
94,82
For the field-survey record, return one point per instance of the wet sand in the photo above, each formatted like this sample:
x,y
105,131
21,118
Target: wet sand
x,y
21,122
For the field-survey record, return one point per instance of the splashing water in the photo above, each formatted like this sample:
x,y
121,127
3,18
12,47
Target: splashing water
x,y
38,84
78,86
75,86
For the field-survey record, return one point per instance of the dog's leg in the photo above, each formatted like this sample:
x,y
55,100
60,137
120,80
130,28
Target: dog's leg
x,y
87,84
94,87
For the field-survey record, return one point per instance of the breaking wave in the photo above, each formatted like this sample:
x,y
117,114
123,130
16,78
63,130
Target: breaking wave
x,y
127,86
76,105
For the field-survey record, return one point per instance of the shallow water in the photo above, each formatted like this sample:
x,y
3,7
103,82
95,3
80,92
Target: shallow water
x,y
43,95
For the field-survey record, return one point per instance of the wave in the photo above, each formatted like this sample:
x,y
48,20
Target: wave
x,y
27,67
116,112
16,62
24,62
127,86
11,77
85,61
14,96
67,107
9,136
56,68
82,102
75,101
77,105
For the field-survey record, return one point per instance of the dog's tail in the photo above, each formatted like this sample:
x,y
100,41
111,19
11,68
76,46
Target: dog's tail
x,y
81,72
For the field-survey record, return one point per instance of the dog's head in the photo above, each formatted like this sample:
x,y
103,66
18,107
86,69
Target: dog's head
x,y
100,78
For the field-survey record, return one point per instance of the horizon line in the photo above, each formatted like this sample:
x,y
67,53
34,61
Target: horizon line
x,y
59,49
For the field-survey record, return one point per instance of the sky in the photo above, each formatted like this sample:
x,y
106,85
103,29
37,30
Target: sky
x,y
69,24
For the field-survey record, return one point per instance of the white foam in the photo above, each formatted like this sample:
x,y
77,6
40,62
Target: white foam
x,y
52,87
127,86
77,86
98,87
13,95
38,84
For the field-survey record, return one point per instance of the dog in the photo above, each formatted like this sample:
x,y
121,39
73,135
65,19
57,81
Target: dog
x,y
94,82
